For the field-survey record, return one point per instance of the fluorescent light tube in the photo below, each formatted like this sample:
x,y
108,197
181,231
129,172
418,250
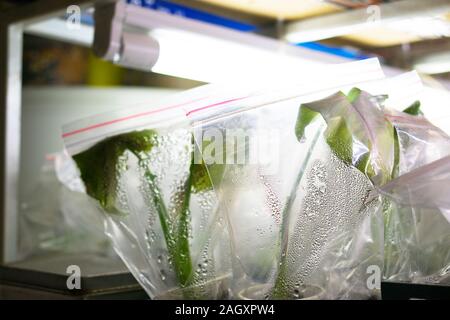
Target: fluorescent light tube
x,y
399,14
187,48
209,59
433,64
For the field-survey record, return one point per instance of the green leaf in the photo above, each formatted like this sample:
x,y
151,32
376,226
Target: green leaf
x,y
353,94
200,178
304,118
101,164
175,231
338,136
340,139
356,121
396,166
100,168
204,176
177,242
181,251
413,109
351,120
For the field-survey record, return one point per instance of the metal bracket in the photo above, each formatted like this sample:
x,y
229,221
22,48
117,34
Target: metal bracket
x,y
113,43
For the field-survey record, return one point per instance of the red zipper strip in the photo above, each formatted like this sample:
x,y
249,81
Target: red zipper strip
x,y
138,115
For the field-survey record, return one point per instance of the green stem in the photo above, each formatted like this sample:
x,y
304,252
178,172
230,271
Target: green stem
x,y
178,245
182,245
280,290
100,168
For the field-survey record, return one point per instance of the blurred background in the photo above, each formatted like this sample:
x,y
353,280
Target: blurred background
x,y
406,36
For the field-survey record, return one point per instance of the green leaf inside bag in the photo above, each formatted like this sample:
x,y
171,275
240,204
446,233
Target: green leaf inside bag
x,y
206,176
341,138
100,168
305,117
100,165
413,109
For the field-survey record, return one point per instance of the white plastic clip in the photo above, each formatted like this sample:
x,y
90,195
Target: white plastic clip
x,y
132,49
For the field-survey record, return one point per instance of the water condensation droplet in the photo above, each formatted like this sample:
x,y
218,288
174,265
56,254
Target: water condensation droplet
x,y
322,188
332,201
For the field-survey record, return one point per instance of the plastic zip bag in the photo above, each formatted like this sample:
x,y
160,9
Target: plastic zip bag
x,y
54,218
417,224
164,226
209,100
297,199
163,215
417,236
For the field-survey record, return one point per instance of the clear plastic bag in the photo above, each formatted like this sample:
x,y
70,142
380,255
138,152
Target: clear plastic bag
x,y
146,168
417,224
417,235
299,191
55,218
163,224
420,142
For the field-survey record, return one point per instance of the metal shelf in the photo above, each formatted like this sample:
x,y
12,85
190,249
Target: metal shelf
x,y
44,277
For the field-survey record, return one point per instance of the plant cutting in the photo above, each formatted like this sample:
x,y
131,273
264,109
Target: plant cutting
x,y
354,120
348,118
416,229
101,167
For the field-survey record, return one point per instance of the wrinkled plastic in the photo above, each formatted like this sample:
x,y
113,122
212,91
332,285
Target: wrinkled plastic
x,y
307,218
420,141
164,217
310,208
417,223
166,231
299,215
54,218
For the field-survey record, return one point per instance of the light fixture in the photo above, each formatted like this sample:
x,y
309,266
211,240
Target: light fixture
x,y
400,15
144,39
209,59
434,63
428,27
